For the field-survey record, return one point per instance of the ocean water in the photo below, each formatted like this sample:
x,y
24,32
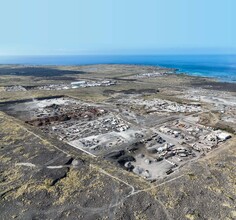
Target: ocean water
x,y
221,67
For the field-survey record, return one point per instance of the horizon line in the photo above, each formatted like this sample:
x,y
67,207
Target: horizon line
x,y
120,54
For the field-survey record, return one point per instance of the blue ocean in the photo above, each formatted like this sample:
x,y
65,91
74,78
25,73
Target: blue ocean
x,y
221,67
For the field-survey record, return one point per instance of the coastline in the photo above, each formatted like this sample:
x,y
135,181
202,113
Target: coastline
x,y
210,82
29,70
219,67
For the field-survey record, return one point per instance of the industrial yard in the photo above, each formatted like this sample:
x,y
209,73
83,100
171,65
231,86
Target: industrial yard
x,y
65,86
151,151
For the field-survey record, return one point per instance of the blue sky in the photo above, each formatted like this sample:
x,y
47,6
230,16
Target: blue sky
x,y
50,27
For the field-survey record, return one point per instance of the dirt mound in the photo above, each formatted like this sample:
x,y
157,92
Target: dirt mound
x,y
76,114
48,120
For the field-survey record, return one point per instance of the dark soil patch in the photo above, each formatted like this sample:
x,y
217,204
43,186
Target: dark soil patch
x,y
222,86
131,91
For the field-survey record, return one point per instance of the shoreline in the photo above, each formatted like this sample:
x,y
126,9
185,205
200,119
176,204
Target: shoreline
x,y
218,67
177,71
208,77
196,81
